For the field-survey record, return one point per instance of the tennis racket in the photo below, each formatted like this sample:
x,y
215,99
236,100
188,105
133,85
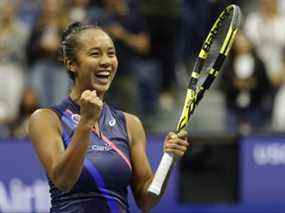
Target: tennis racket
x,y
209,62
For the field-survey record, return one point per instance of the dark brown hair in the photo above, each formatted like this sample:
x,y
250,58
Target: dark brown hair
x,y
70,42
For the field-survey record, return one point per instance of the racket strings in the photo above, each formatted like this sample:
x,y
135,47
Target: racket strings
x,y
211,58
217,43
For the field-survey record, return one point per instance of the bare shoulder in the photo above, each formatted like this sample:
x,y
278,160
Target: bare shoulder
x,y
134,127
44,131
132,119
43,113
43,120
43,116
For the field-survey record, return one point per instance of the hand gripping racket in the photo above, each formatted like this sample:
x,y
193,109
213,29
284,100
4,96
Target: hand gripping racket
x,y
207,65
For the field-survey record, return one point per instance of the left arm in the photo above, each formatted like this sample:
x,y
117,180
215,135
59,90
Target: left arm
x,y
142,173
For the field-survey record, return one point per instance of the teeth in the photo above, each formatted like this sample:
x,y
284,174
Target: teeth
x,y
103,74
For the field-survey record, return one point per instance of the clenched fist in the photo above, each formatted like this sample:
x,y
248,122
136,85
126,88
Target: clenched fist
x,y
90,106
176,144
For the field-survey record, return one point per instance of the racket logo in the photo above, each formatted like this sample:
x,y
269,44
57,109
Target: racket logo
x,y
213,33
216,45
188,108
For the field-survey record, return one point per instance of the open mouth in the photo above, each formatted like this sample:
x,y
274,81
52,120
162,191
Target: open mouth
x,y
103,77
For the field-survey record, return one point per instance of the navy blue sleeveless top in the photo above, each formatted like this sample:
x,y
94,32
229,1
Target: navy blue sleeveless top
x,y
102,185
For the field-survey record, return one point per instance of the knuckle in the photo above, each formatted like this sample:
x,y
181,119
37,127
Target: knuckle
x,y
170,141
175,146
180,153
100,103
86,92
168,146
94,95
172,135
182,134
181,142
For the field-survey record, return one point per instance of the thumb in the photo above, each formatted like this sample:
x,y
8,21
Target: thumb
x,y
171,135
182,134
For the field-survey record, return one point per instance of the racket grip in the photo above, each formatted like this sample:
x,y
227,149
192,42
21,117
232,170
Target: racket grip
x,y
161,173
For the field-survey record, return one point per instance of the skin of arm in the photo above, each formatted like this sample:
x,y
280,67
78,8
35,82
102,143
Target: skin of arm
x,y
142,173
62,165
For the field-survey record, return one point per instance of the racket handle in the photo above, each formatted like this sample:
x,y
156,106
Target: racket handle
x,y
161,173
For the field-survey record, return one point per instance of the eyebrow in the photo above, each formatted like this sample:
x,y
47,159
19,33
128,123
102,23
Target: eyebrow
x,y
98,48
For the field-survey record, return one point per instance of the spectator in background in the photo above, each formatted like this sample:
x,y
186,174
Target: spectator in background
x,y
28,11
281,6
164,20
47,74
130,34
13,35
194,27
78,10
83,11
246,87
278,120
197,18
29,103
265,28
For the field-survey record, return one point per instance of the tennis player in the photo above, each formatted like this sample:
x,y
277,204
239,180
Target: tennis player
x,y
92,152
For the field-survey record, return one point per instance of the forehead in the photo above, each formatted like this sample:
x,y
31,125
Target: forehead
x,y
95,38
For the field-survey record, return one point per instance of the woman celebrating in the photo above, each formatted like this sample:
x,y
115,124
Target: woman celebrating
x,y
90,151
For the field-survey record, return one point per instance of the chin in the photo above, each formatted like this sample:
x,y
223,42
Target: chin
x,y
101,88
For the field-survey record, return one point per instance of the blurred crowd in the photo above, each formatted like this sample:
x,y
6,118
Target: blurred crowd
x,y
155,40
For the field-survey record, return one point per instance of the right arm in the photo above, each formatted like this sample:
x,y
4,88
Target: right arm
x,y
62,165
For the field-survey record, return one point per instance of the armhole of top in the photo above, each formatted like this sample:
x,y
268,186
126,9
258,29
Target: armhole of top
x,y
126,127
58,113
122,116
64,133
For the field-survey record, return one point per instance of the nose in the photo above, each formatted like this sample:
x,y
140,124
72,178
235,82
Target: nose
x,y
105,61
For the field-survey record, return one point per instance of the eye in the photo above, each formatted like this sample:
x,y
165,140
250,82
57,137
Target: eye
x,y
95,54
112,53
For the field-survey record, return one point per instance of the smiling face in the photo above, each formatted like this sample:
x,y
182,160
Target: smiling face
x,y
96,61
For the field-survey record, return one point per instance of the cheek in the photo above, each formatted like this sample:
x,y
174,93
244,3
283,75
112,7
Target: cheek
x,y
115,64
90,65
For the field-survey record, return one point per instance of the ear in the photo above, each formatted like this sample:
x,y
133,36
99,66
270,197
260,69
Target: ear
x,y
71,65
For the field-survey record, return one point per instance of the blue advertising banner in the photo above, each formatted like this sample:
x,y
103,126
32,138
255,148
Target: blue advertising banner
x,y
23,186
262,169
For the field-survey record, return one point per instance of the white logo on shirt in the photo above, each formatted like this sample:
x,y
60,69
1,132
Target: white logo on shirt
x,y
112,122
75,118
99,148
